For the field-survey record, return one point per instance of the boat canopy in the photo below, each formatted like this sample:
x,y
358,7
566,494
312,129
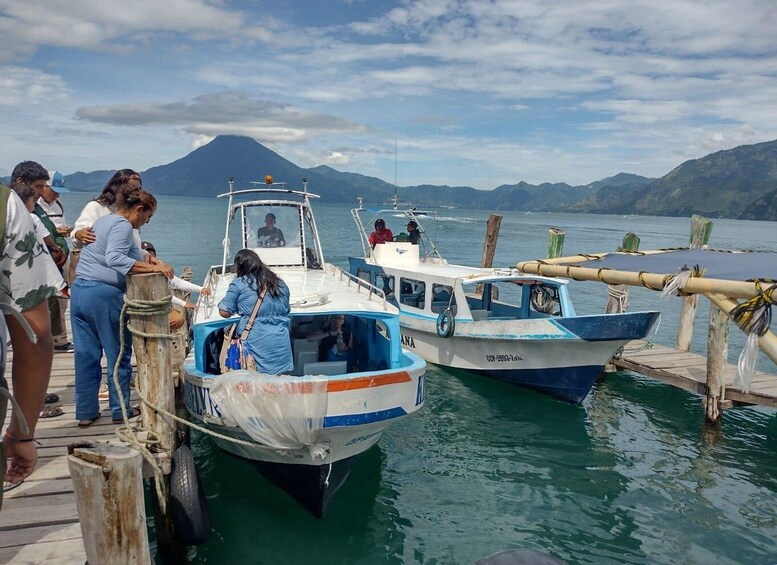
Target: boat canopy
x,y
721,264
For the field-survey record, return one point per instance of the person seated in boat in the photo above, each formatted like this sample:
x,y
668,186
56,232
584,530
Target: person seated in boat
x,y
269,340
381,234
413,235
335,342
269,235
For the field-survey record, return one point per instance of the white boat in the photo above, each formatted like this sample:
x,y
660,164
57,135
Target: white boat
x,y
303,430
495,322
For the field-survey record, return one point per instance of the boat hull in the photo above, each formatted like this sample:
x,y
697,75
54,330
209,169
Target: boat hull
x,y
360,406
561,364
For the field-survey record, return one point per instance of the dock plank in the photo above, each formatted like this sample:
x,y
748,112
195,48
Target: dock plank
x,y
689,372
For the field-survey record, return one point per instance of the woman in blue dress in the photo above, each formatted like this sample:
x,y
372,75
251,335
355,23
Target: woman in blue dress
x,y
269,340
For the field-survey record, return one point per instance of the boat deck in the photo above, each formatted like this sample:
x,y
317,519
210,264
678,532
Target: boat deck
x,y
689,371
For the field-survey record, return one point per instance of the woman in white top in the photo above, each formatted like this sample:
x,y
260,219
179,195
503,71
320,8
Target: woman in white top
x,y
101,206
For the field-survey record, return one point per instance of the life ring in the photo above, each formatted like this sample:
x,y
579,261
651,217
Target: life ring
x,y
188,509
446,323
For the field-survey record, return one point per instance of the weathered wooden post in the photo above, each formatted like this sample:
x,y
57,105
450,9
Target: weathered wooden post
x,y
701,228
489,247
492,235
153,354
155,381
555,242
618,294
108,485
717,356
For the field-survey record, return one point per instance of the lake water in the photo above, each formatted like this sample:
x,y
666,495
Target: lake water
x,y
629,476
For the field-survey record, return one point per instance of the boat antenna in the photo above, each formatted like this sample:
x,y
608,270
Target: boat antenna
x,y
225,243
395,173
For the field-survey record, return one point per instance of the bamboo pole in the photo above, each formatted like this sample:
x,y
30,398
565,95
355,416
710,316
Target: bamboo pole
x,y
108,485
717,357
695,285
555,242
618,295
153,356
701,228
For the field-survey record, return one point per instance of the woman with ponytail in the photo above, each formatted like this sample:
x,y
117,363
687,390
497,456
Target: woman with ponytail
x,y
269,340
97,297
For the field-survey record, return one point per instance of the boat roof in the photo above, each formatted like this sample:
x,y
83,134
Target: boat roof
x,y
721,264
322,291
446,271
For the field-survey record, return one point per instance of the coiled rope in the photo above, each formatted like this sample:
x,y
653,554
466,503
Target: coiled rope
x,y
126,432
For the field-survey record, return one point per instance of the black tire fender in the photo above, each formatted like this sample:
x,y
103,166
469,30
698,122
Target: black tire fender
x,y
446,323
188,508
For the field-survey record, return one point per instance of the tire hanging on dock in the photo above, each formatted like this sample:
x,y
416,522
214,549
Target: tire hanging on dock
x,y
188,508
446,323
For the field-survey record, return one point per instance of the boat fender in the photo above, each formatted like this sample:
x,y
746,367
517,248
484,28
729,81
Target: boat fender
x,y
446,323
188,509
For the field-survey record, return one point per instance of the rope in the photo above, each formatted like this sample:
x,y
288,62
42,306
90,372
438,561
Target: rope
x,y
754,315
125,432
620,296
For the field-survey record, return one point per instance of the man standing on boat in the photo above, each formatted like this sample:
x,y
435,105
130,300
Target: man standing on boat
x,y
413,235
381,234
269,235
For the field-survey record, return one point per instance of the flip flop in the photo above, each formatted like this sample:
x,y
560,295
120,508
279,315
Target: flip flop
x,y
134,414
51,399
89,422
51,411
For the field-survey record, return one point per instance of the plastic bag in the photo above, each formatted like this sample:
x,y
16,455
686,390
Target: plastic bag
x,y
279,411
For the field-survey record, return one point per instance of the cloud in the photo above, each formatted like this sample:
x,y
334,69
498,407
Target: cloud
x,y
20,86
226,112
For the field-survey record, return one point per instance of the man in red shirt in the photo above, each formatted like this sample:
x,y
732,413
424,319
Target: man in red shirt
x,y
381,234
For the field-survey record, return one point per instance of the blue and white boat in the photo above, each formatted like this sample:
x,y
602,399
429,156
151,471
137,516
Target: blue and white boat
x,y
494,322
303,430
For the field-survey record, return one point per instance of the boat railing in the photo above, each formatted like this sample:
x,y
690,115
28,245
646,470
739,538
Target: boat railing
x,y
363,238
373,292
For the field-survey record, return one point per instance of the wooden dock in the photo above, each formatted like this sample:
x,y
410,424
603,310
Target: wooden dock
x,y
39,519
689,371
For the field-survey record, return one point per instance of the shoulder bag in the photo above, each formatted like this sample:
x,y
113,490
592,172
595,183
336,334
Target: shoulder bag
x,y
235,352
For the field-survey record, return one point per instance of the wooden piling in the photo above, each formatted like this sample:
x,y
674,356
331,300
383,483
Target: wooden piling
x,y
108,484
153,357
492,235
717,357
618,294
555,242
701,228
489,246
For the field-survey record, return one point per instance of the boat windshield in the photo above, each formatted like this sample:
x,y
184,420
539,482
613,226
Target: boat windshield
x,y
275,231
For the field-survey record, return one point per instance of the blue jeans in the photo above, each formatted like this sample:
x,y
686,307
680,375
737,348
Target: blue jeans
x,y
95,308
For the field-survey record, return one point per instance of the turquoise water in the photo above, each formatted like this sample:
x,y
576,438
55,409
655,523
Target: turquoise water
x,y
629,476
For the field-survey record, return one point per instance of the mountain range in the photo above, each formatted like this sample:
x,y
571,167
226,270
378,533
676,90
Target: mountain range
x,y
735,183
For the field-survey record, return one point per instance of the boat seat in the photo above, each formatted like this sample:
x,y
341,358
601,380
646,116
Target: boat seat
x,y
326,368
478,315
305,357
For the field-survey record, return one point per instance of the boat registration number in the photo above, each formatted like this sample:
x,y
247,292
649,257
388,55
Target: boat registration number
x,y
503,358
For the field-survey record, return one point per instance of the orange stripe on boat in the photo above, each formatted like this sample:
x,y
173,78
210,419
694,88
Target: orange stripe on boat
x,y
368,382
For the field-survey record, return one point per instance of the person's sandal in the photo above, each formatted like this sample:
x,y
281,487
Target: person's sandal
x,y
51,398
134,414
51,411
89,422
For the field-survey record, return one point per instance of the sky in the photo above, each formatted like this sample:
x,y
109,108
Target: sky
x,y
459,92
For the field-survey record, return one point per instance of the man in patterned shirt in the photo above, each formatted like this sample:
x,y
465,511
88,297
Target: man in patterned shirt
x,y
26,283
